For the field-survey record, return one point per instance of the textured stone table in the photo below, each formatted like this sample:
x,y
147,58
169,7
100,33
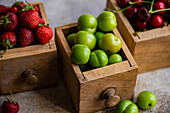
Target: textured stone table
x,y
56,99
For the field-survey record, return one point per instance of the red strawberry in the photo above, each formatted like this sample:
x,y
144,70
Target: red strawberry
x,y
43,34
14,10
41,21
36,8
29,19
19,5
26,37
10,106
9,21
8,40
3,9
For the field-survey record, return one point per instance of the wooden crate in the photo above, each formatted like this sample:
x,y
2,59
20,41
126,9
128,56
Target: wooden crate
x,y
31,67
86,88
151,49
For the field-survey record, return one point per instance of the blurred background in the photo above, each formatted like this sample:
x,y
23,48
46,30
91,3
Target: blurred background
x,y
60,12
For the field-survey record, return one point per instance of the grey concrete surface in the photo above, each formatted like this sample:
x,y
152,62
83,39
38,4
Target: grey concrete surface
x,y
56,99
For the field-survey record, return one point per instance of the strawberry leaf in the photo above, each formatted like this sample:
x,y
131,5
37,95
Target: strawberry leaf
x,y
18,2
42,24
5,20
26,8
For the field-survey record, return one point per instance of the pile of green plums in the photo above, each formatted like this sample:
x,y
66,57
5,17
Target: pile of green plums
x,y
94,45
146,100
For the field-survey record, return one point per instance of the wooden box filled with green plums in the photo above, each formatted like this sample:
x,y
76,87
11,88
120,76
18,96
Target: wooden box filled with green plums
x,y
95,63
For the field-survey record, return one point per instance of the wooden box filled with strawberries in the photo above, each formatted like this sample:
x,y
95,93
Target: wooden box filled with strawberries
x,y
28,51
95,64
144,27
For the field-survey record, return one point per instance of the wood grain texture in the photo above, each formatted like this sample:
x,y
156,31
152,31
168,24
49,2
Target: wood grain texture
x,y
85,88
40,58
151,49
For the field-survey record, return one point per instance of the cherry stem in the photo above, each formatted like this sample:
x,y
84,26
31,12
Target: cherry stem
x,y
151,8
167,9
139,2
11,95
120,10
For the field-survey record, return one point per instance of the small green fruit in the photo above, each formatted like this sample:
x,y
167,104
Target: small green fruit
x,y
110,43
70,39
98,36
86,38
87,22
126,106
115,58
84,67
80,54
146,100
98,58
107,21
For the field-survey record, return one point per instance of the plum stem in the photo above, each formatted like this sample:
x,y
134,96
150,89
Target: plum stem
x,y
150,109
139,2
120,10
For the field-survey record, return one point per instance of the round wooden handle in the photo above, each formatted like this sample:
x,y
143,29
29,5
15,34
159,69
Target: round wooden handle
x,y
112,101
30,77
111,98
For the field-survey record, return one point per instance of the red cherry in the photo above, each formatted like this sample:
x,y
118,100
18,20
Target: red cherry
x,y
156,21
123,3
144,14
159,5
140,25
138,4
131,12
164,1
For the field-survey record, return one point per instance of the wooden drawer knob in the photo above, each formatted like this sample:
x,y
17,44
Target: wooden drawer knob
x,y
30,77
111,98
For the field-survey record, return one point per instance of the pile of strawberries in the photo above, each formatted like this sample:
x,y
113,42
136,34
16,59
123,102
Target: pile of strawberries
x,y
21,25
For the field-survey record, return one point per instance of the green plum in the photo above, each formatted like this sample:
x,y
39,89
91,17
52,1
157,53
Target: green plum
x,y
115,58
126,106
86,38
87,22
110,43
80,54
146,100
84,67
98,58
98,36
70,39
107,21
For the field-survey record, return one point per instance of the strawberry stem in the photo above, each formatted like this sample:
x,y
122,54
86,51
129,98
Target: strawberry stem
x,y
27,2
6,49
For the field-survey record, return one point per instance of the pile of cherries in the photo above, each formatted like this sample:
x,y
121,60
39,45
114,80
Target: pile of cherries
x,y
144,15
